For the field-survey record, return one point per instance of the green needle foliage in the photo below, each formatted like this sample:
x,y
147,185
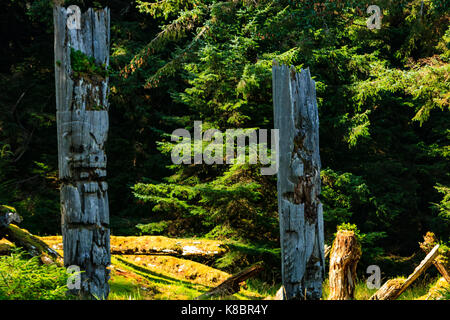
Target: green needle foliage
x,y
383,98
27,278
84,65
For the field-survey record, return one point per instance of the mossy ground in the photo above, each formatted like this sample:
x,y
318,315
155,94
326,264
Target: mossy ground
x,y
142,277
131,279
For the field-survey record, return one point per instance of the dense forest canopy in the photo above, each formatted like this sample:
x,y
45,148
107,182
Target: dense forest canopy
x,y
383,99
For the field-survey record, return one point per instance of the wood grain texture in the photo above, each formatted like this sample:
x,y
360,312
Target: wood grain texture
x,y
344,258
82,133
298,185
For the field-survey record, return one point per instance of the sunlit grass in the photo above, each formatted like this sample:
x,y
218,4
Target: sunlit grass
x,y
419,288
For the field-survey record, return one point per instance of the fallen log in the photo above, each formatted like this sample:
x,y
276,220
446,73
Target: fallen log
x,y
24,239
344,258
232,284
392,289
429,241
157,245
32,244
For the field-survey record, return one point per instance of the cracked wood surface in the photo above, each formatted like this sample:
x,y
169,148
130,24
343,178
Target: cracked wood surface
x,y
298,183
82,133
344,258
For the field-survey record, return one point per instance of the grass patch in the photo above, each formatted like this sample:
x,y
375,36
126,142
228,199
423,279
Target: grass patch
x,y
415,291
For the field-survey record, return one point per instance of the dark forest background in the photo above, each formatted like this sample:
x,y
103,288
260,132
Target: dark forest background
x,y
383,99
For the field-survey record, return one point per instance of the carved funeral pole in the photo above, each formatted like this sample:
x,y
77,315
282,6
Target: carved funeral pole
x,y
344,258
82,121
300,211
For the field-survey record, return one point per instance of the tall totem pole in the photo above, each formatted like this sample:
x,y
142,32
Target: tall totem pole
x,y
298,184
82,122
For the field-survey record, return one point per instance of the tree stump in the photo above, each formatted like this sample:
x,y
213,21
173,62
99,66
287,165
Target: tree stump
x,y
344,258
298,184
81,61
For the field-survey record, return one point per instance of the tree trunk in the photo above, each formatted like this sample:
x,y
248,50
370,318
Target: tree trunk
x,y
298,185
392,289
429,241
344,258
82,121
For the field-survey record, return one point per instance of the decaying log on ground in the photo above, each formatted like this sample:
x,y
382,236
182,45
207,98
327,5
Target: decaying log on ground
x,y
193,249
298,183
429,241
33,245
392,289
81,62
233,283
344,258
23,239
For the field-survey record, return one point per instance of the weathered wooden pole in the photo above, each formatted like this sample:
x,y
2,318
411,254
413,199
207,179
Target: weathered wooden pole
x,y
300,211
82,122
344,258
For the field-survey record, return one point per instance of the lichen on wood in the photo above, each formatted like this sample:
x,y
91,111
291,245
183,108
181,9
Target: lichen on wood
x,y
390,290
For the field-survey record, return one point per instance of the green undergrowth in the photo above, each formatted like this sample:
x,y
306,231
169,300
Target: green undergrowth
x,y
83,65
418,289
25,278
